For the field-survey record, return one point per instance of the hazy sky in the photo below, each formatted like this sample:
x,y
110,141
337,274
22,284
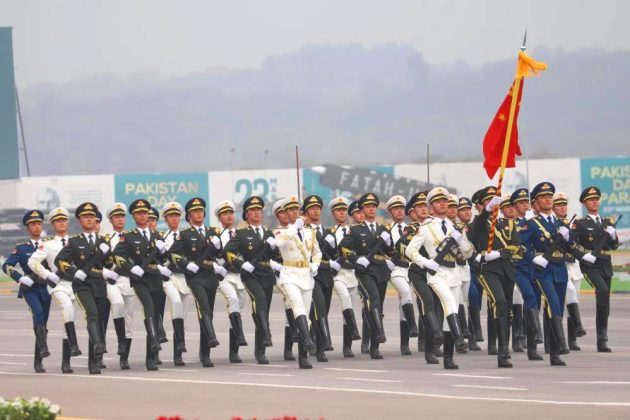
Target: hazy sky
x,y
63,40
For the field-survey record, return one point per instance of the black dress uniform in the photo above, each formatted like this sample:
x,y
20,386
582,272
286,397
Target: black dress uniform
x,y
365,241
137,250
249,245
196,246
83,252
324,282
591,236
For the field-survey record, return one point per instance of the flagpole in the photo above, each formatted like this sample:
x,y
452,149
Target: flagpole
x,y
506,147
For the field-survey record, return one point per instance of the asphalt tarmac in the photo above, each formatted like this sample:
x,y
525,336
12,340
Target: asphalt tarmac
x,y
592,384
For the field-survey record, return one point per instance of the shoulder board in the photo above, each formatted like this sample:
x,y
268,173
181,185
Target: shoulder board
x,y
107,237
191,229
387,226
217,230
75,236
23,243
355,224
610,219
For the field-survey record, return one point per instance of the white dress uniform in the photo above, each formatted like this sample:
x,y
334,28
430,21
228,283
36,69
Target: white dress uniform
x,y
345,282
300,261
400,275
121,294
62,294
176,289
446,282
231,287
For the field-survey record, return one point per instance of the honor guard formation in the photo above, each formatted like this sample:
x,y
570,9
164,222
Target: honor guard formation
x,y
434,254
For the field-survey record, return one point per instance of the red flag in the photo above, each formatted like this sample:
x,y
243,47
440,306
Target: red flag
x,y
494,140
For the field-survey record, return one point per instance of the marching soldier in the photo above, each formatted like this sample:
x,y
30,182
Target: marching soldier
x,y
42,263
596,237
366,246
399,266
250,251
548,239
32,288
139,255
529,292
322,291
441,242
119,291
154,216
177,290
231,287
82,259
299,248
195,251
574,321
345,282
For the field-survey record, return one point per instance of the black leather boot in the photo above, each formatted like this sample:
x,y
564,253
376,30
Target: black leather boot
x,y
365,332
149,325
517,328
65,357
204,351
554,357
40,337
161,332
502,335
263,323
492,336
305,335
421,333
234,357
150,356
533,324
93,368
572,339
292,324
475,320
449,345
410,317
547,333
601,324
532,353
38,365
463,321
558,335
324,330
119,326
429,355
208,330
576,319
71,332
347,342
404,339
124,359
259,347
237,326
376,321
179,335
288,344
456,333
303,362
351,322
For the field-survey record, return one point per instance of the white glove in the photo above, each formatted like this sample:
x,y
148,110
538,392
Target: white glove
x,y
219,270
541,261
385,236
104,248
492,255
431,265
164,271
192,267
161,246
216,241
110,274
272,242
562,230
314,268
362,261
478,259
80,275
275,266
529,214
610,230
247,266
455,234
137,271
53,277
331,240
335,265
495,201
390,265
589,258
26,281
299,223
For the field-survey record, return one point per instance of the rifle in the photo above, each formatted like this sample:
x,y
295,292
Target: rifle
x,y
556,241
446,247
601,244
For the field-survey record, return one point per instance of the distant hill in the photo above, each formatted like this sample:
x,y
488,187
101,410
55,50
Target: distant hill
x,y
341,103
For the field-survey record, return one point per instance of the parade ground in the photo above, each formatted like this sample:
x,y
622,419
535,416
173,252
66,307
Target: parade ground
x,y
592,385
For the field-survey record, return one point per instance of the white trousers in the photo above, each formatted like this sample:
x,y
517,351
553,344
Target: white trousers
x,y
121,306
179,302
299,298
348,296
447,295
234,298
401,284
517,297
573,290
65,301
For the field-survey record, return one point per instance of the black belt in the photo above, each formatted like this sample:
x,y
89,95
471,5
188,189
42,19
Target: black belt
x,y
403,264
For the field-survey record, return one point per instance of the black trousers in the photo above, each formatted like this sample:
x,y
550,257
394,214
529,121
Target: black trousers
x,y
327,292
149,300
500,289
422,290
600,281
204,298
318,305
372,291
259,295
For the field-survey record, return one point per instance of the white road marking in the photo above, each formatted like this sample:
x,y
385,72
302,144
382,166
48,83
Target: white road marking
x,y
15,355
500,388
269,365
265,374
463,375
319,388
12,363
358,370
179,370
598,382
389,381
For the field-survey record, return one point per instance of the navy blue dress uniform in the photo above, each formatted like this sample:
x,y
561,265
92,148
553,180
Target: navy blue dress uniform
x,y
138,256
365,248
32,288
544,237
324,282
596,235
195,251
82,260
249,249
